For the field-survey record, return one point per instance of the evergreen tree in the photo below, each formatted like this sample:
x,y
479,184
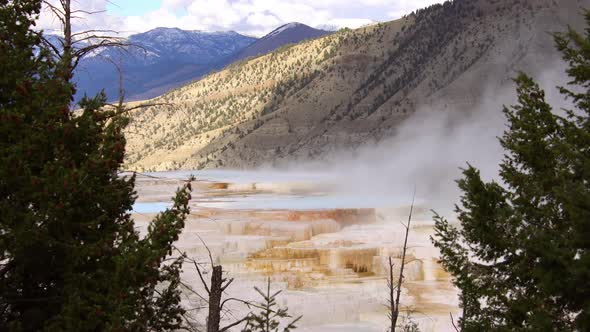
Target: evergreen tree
x,y
268,319
70,258
521,257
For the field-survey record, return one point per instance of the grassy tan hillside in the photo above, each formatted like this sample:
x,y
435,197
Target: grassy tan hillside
x,y
345,89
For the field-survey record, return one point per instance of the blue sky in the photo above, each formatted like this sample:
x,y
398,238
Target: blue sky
x,y
132,7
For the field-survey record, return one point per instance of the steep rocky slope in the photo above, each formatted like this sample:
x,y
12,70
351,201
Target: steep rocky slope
x,y
349,88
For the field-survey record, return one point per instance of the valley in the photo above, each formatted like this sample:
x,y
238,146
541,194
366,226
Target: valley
x,y
305,156
259,166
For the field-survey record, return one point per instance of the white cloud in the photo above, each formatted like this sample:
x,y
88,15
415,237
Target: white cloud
x,y
404,7
351,23
93,16
255,17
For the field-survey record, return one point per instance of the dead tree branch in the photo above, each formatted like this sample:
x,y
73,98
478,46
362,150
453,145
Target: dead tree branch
x,y
215,289
391,300
394,304
69,43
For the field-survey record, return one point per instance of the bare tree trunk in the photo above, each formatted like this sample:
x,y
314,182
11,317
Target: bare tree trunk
x,y
92,40
67,26
391,297
394,305
216,289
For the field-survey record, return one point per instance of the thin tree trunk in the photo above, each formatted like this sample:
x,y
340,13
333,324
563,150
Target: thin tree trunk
x,y
401,270
68,42
215,293
391,297
67,26
267,312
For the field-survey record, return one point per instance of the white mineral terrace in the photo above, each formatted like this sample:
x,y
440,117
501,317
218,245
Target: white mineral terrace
x,y
325,249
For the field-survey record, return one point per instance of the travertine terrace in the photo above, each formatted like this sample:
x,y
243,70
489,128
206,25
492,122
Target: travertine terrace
x,y
331,262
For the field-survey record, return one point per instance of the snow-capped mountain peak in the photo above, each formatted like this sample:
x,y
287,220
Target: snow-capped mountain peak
x,y
289,33
284,28
159,59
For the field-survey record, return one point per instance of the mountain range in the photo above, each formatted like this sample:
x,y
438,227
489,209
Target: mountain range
x,y
164,58
350,88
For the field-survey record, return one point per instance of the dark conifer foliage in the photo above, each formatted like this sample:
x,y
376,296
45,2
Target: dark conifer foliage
x,y
521,255
270,314
70,258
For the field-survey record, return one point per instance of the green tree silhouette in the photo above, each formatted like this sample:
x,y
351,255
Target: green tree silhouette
x,y
268,318
70,258
520,257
